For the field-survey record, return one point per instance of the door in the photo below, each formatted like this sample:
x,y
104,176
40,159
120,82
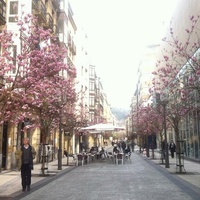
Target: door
x,y
4,144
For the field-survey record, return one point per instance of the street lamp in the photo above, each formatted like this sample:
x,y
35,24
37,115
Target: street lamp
x,y
60,148
162,100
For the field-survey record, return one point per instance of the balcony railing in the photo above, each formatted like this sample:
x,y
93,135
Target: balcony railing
x,y
73,48
49,22
35,4
56,30
70,63
55,4
39,10
63,39
69,40
2,12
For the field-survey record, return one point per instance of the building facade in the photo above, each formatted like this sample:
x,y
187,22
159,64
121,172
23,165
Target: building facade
x,y
56,16
189,131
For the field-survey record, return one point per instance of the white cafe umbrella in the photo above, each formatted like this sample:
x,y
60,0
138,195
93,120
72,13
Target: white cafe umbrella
x,y
102,127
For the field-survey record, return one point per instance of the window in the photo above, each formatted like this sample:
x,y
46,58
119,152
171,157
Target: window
x,y
92,101
13,12
91,116
3,9
92,72
91,86
13,54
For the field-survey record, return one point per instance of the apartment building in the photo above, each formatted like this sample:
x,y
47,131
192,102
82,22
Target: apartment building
x,y
2,12
189,130
189,124
92,105
57,16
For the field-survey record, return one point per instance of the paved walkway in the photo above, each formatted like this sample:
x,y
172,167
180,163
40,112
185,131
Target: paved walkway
x,y
192,169
10,181
137,180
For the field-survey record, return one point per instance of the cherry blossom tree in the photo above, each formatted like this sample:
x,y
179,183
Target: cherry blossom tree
x,y
178,71
35,77
149,122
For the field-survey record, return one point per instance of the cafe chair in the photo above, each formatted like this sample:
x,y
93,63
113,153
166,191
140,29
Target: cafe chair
x,y
119,157
80,159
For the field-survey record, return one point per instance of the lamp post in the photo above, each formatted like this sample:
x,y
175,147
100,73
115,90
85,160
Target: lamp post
x,y
60,148
162,100
60,141
1,154
164,104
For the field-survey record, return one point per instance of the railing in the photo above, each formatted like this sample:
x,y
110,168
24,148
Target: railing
x,y
49,21
35,4
70,63
39,10
73,48
42,9
55,3
2,12
55,30
69,40
63,38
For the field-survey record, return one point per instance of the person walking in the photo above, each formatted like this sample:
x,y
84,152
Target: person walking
x,y
132,145
123,145
24,156
172,148
163,149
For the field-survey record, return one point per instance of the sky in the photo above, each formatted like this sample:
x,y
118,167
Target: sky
x,y
118,32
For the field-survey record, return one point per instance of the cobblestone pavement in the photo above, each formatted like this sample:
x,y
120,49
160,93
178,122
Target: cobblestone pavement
x,y
140,179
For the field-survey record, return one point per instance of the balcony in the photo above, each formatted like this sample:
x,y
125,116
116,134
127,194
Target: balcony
x,y
49,22
2,12
56,31
63,38
73,48
69,41
24,38
70,63
39,10
55,4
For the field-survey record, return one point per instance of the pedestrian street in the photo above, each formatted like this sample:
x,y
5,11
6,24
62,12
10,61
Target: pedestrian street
x,y
136,180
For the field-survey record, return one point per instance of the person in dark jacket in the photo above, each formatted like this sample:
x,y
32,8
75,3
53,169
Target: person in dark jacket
x,y
123,145
115,149
163,148
172,148
24,156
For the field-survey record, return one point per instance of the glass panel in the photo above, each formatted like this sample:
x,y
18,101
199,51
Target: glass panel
x,y
13,7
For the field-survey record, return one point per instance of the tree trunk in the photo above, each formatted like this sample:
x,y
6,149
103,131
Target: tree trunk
x,y
147,145
178,149
44,155
68,151
43,159
153,156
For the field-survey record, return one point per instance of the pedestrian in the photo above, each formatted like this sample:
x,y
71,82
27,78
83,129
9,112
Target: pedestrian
x,y
65,152
123,145
24,156
115,149
163,148
172,148
132,145
127,152
102,153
